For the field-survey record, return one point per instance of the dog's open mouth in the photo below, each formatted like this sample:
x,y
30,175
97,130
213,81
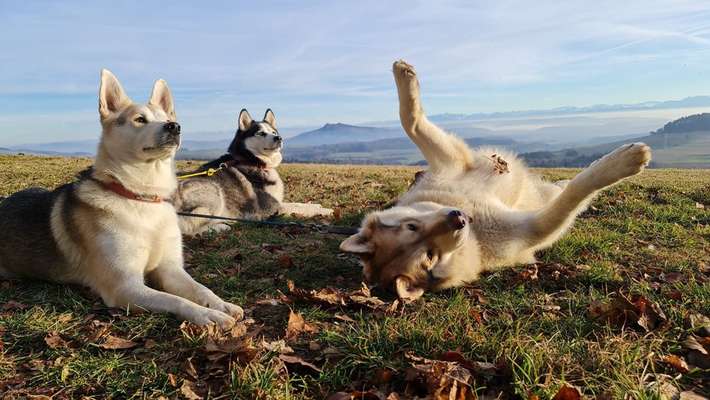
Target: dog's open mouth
x,y
275,148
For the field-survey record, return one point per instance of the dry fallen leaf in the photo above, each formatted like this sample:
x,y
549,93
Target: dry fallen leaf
x,y
285,261
676,362
55,341
567,393
441,379
297,325
299,364
187,390
636,311
117,343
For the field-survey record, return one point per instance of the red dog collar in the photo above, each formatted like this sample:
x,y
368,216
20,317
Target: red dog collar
x,y
122,191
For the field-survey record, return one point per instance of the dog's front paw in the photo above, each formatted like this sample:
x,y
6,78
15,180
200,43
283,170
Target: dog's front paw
x,y
209,316
410,109
231,309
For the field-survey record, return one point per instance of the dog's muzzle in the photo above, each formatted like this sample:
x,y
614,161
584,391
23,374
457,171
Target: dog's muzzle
x,y
456,219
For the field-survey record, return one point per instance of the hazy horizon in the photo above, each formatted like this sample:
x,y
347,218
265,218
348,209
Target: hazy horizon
x,y
317,62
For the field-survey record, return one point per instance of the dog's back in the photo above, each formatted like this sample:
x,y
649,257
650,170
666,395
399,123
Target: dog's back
x,y
27,246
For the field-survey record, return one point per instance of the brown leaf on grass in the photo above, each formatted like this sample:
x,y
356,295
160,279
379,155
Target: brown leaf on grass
x,y
187,390
476,367
698,351
172,380
297,325
326,295
336,297
277,346
365,298
441,379
567,393
382,376
190,369
96,330
529,274
676,362
299,364
234,344
149,343
285,261
14,306
55,341
636,311
116,343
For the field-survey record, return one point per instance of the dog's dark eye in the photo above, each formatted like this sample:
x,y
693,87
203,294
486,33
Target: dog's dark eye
x,y
140,120
412,227
262,133
430,254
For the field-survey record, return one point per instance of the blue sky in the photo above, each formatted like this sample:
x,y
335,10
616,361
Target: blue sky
x,y
329,61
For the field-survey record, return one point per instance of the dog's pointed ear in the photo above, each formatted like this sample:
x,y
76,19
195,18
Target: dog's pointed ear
x,y
405,289
112,97
245,120
270,118
357,244
161,97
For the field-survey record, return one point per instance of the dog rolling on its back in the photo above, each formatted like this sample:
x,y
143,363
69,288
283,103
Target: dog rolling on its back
x,y
473,210
247,185
110,229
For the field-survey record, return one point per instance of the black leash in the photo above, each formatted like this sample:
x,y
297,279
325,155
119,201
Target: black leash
x,y
320,228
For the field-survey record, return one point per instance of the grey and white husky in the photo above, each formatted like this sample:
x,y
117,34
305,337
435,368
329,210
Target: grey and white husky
x,y
110,229
246,184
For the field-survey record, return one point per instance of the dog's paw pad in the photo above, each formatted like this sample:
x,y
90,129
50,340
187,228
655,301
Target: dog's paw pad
x,y
403,70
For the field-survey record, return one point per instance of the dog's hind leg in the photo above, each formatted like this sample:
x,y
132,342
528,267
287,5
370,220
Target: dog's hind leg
x,y
306,210
442,150
545,226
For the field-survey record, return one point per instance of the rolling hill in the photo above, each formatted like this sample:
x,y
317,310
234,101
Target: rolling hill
x,y
682,143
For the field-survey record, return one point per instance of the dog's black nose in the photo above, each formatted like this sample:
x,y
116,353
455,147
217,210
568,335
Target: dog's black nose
x,y
277,139
172,127
456,219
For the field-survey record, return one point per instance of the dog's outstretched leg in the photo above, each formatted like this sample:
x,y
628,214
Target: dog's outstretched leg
x,y
548,224
441,150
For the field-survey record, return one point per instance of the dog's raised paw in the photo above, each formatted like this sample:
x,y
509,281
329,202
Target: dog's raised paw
x,y
402,69
625,161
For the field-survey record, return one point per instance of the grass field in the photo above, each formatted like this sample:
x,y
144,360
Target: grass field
x,y
614,310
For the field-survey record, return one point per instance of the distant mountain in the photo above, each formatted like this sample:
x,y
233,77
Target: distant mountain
x,y
399,150
342,133
75,147
5,151
695,101
682,143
